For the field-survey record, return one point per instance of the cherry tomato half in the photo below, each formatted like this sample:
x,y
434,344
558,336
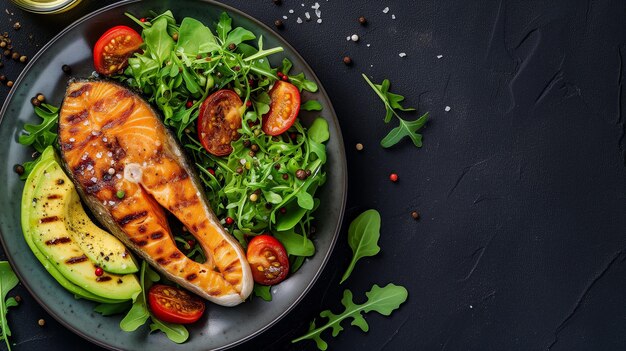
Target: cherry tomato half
x,y
219,119
284,108
268,260
174,305
115,46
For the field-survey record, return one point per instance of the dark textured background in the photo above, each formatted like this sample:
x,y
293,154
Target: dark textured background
x,y
521,185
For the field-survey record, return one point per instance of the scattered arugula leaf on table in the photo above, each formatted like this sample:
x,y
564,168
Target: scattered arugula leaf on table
x,y
363,235
8,281
40,136
382,300
393,103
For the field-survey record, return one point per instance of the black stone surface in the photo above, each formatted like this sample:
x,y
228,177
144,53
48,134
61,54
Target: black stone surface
x,y
520,186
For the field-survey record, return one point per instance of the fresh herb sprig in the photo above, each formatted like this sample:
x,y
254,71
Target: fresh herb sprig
x,y
363,235
40,136
8,281
382,300
393,103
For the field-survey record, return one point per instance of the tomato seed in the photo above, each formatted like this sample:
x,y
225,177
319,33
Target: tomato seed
x,y
99,272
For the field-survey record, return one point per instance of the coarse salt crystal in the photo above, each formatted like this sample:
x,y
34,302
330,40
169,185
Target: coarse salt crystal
x,y
316,6
72,140
105,139
110,154
319,20
290,10
94,179
302,5
439,56
299,20
111,203
318,13
99,155
284,17
386,9
89,167
86,123
348,38
119,176
368,45
307,15
447,109
111,171
393,16
354,37
402,54
242,161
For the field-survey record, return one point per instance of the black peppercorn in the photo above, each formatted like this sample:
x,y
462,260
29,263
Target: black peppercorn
x,y
254,147
362,20
7,53
347,60
301,174
35,102
66,69
19,169
10,83
246,143
239,170
232,46
308,172
251,153
415,215
15,56
268,205
40,97
279,24
175,36
3,44
277,2
285,176
23,58
3,78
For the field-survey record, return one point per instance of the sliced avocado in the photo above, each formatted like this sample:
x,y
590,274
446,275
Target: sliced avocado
x,y
27,202
49,233
101,247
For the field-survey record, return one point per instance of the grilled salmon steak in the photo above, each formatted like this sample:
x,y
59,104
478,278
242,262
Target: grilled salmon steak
x,y
129,169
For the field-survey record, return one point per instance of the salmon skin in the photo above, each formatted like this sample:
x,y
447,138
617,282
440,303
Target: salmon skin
x,y
129,169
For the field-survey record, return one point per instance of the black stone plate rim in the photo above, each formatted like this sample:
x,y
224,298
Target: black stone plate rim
x,y
333,119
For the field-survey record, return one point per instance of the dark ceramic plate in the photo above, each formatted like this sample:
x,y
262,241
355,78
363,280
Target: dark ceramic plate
x,y
221,327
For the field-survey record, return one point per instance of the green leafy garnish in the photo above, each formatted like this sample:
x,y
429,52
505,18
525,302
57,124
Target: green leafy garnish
x,y
40,136
139,313
382,300
263,291
311,105
8,281
363,235
393,103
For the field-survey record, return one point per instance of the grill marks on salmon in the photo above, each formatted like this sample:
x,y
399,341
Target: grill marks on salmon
x,y
113,142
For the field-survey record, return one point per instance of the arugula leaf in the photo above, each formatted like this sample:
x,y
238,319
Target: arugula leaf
x,y
193,36
318,131
406,128
175,332
138,313
263,291
223,27
158,41
40,136
239,35
382,300
363,236
392,104
311,105
295,244
8,281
